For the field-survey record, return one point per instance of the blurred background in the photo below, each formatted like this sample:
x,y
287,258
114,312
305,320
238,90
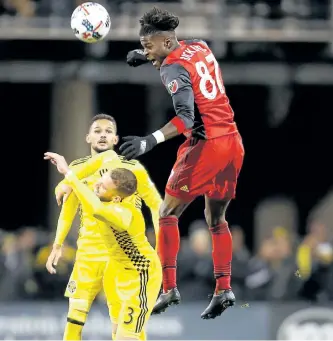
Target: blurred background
x,y
276,58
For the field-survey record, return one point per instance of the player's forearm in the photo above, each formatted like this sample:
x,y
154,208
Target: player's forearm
x,y
58,187
66,218
183,102
172,129
92,165
168,132
76,169
87,197
63,229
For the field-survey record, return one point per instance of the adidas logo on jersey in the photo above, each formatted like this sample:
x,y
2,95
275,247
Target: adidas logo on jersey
x,y
184,188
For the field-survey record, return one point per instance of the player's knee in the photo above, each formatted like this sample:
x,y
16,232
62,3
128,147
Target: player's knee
x,y
214,218
165,211
171,208
78,311
215,211
206,216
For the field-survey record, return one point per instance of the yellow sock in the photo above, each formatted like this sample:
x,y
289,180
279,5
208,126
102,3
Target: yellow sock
x,y
143,336
73,332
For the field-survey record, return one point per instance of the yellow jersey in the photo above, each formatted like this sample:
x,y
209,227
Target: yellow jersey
x,y
120,225
90,243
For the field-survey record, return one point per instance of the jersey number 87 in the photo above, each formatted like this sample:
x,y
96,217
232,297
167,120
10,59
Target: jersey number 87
x,y
205,76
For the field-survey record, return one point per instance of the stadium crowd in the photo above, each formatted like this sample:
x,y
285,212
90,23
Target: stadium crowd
x,y
270,9
285,266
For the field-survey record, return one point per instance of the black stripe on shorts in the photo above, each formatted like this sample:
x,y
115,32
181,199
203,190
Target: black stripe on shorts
x,y
144,277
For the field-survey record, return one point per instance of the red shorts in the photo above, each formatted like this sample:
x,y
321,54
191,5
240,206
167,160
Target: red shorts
x,y
207,167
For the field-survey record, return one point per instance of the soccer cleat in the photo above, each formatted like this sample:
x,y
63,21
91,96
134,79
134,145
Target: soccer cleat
x,y
165,300
219,304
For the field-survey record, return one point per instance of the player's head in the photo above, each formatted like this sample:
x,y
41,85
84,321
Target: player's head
x,y
116,185
102,133
157,35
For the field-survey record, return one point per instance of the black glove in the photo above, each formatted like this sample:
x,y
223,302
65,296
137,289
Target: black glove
x,y
136,146
136,58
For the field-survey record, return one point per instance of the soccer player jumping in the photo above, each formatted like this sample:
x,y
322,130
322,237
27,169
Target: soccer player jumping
x,y
208,162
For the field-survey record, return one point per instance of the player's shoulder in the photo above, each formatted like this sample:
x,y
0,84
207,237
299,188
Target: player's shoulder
x,y
133,214
194,41
108,156
180,63
171,71
124,211
80,161
131,164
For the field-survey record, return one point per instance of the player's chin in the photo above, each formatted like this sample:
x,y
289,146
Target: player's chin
x,y
102,148
156,64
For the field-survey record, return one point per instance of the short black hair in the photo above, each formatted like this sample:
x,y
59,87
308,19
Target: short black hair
x,y
125,181
157,20
102,116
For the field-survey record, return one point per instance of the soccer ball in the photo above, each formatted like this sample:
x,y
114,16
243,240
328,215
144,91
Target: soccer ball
x,y
90,22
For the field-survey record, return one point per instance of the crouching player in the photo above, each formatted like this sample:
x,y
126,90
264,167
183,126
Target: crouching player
x,y
135,273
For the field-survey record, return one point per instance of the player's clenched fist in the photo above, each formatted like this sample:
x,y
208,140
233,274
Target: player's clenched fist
x,y
136,58
135,146
53,259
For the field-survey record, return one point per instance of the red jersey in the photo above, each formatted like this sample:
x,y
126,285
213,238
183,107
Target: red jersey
x,y
193,78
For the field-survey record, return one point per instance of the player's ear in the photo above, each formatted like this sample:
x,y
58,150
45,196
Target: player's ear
x,y
167,43
116,139
88,138
116,199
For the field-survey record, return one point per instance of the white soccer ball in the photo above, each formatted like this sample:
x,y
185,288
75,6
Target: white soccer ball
x,y
90,22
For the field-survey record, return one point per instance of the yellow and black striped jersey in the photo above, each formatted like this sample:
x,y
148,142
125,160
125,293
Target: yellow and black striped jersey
x,y
90,243
120,225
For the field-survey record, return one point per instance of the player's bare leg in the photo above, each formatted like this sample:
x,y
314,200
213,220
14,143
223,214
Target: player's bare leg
x,y
222,255
168,247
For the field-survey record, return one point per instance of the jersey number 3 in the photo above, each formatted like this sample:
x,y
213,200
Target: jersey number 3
x,y
203,72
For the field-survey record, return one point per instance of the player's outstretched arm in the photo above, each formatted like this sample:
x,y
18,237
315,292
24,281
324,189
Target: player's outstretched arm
x,y
65,221
113,214
92,165
95,163
66,218
62,190
179,85
68,209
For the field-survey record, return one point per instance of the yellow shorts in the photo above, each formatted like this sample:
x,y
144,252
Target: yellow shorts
x,y
131,295
86,281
